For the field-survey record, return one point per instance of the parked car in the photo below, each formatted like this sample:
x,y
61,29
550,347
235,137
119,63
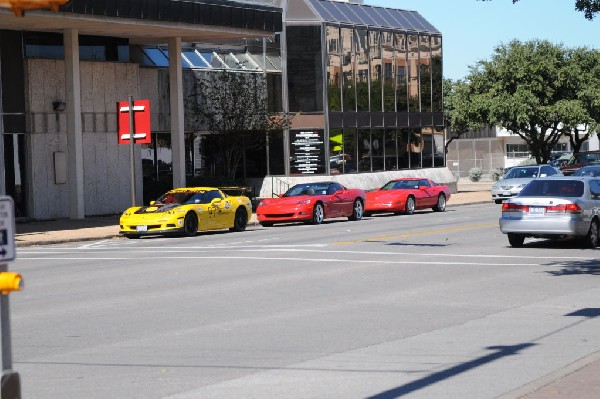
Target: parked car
x,y
518,177
579,160
593,171
554,207
313,203
186,211
406,195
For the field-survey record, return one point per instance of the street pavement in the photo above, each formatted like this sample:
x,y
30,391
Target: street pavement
x,y
580,380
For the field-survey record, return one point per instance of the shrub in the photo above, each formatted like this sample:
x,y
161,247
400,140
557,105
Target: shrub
x,y
475,174
496,174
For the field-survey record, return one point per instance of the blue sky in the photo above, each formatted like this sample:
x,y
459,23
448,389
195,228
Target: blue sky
x,y
472,29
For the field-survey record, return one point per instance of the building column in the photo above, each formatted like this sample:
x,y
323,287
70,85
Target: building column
x,y
74,127
177,113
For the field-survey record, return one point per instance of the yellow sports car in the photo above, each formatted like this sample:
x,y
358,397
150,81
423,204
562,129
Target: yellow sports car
x,y
185,211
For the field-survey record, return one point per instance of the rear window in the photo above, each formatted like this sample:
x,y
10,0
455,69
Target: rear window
x,y
553,188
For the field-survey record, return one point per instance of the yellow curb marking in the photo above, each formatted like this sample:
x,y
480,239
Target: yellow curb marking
x,y
419,233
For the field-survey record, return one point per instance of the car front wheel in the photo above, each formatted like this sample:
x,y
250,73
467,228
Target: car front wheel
x,y
357,210
516,240
318,214
440,205
240,220
190,224
410,206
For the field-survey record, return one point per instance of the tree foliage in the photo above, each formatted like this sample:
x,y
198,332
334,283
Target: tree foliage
x,y
235,107
590,8
536,90
460,114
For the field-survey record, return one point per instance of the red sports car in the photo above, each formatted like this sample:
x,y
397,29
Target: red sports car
x,y
407,195
313,203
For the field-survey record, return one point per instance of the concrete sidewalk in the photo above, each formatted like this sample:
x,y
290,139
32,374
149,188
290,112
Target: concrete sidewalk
x,y
580,380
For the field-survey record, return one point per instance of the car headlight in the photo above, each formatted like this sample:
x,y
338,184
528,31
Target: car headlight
x,y
520,186
304,202
495,187
175,211
127,213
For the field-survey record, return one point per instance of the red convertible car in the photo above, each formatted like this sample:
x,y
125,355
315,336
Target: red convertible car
x,y
407,195
312,203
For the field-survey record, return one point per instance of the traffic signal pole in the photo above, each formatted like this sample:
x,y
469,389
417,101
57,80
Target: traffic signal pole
x,y
10,386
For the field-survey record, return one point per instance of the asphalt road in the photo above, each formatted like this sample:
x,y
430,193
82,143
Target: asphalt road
x,y
432,305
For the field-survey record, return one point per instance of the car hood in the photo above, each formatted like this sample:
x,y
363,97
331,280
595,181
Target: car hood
x,y
385,195
513,182
285,201
156,209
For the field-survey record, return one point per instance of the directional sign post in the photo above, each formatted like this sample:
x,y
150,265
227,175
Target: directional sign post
x,y
10,383
134,128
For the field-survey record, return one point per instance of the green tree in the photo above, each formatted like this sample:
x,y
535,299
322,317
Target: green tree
x,y
234,106
460,114
536,90
590,8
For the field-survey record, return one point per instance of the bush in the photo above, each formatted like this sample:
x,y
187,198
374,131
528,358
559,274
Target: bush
x,y
496,174
475,174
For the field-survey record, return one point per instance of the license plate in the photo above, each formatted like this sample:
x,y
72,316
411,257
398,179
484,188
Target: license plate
x,y
141,228
537,210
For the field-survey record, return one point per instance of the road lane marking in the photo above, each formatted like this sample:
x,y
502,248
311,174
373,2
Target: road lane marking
x,y
419,233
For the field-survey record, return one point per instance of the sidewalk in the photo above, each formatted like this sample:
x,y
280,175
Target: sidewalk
x,y
580,380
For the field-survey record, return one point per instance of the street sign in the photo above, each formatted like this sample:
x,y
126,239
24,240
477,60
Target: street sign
x,y
141,122
7,229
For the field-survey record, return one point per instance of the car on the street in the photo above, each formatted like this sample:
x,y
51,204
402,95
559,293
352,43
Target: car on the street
x,y
518,177
187,211
312,203
554,207
406,195
592,170
579,160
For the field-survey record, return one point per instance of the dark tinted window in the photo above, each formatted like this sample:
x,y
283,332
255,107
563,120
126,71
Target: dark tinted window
x,y
305,80
553,188
595,187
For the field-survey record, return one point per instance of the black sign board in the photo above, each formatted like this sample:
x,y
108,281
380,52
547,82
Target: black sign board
x,y
307,152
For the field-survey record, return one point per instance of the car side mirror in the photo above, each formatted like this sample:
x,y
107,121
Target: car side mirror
x,y
422,187
152,202
215,201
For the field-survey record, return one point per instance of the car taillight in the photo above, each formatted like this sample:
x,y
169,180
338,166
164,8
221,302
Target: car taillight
x,y
563,208
510,207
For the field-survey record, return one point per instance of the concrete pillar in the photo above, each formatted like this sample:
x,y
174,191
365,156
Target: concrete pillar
x,y
74,127
176,101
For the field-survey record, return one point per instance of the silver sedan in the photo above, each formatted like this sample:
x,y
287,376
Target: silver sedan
x,y
518,177
554,207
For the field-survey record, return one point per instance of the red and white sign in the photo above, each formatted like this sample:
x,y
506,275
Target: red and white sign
x,y
141,122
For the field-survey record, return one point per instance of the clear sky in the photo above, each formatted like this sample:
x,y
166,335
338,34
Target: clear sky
x,y
472,29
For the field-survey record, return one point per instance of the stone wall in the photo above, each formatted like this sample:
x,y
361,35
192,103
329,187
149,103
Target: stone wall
x,y
106,163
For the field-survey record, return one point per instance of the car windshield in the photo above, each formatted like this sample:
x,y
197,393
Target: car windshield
x,y
553,188
308,189
588,171
401,185
184,197
522,173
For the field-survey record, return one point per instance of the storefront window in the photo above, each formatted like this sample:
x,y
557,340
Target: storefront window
x,y
350,151
403,149
415,146
377,150
364,150
391,150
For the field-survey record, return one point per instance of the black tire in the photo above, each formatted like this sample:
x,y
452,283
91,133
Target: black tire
x,y
516,240
409,208
440,205
240,221
318,214
266,224
132,236
190,224
358,210
367,214
592,239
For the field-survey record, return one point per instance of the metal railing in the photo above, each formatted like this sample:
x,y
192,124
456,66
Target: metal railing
x,y
278,186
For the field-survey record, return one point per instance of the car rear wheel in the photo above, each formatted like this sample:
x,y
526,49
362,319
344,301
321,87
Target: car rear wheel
x,y
190,224
440,206
592,237
318,214
357,210
240,220
409,209
516,240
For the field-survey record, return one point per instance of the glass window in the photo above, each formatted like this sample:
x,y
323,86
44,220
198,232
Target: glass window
x,y
362,69
376,67
553,188
364,150
334,69
377,150
437,100
427,153
517,150
305,72
391,150
401,73
389,72
439,158
349,88
336,152
350,151
416,145
425,72
413,74
403,149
